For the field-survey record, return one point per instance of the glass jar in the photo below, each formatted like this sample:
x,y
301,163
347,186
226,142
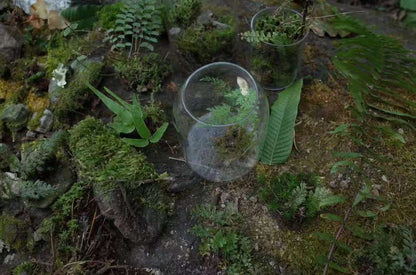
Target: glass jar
x,y
276,67
221,116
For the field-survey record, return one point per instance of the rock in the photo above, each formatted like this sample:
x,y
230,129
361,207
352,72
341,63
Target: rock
x,y
46,122
140,225
9,185
220,26
174,33
30,134
53,91
15,116
11,43
206,18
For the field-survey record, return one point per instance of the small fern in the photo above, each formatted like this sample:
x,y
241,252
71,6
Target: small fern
x,y
137,26
35,190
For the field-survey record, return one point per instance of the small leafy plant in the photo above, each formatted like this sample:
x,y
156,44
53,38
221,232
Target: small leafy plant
x,y
220,238
137,26
129,117
296,197
184,12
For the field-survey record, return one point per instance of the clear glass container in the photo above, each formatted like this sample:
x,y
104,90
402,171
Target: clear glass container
x,y
221,114
275,67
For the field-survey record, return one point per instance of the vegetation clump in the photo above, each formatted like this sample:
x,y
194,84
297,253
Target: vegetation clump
x,y
184,12
102,158
295,197
143,72
73,97
393,250
107,15
221,240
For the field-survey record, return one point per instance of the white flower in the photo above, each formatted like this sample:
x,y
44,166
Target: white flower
x,y
242,83
59,75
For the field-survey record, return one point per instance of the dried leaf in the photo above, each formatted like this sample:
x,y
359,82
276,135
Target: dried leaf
x,y
56,21
39,9
36,22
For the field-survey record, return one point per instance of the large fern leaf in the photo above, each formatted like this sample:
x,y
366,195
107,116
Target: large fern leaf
x,y
278,143
380,71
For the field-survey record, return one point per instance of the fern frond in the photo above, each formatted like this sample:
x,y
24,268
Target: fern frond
x,y
380,71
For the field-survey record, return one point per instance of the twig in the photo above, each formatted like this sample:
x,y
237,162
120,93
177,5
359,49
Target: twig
x,y
177,159
92,224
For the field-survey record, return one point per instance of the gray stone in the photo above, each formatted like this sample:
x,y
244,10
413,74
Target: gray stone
x,y
53,91
31,134
46,122
206,18
15,116
11,43
141,225
9,185
174,32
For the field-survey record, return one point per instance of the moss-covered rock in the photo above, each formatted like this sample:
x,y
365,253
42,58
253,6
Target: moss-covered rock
x,y
15,117
72,98
14,232
38,157
119,174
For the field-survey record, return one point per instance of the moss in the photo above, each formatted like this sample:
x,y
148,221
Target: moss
x,y
103,158
34,122
73,97
8,89
107,16
14,232
202,43
184,12
36,103
39,156
143,73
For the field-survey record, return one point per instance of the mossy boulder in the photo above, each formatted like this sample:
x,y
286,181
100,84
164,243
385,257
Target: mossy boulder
x,y
15,117
124,182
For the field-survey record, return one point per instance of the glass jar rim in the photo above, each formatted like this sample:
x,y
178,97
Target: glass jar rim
x,y
271,44
215,64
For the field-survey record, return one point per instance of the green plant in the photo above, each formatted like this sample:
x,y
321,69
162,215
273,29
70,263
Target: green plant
x,y
35,190
184,12
238,103
143,73
107,15
24,268
295,197
102,158
281,29
393,250
39,156
410,7
129,117
82,17
219,237
137,27
203,43
278,143
381,74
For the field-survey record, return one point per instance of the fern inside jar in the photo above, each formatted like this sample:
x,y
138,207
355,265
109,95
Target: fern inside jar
x,y
276,37
221,115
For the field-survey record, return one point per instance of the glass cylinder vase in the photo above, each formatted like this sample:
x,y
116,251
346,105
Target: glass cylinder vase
x,y
221,115
274,66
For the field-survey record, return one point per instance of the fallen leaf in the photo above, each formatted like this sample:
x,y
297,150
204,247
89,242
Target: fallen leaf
x,y
56,21
36,22
39,9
